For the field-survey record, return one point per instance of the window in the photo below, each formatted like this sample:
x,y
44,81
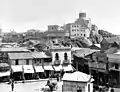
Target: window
x,y
77,34
116,66
52,27
84,35
88,87
56,56
27,62
16,62
65,56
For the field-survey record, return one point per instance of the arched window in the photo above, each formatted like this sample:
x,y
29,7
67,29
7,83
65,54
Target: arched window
x,y
56,56
65,56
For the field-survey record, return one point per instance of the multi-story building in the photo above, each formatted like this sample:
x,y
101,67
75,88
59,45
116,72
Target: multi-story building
x,y
80,28
75,30
61,58
56,31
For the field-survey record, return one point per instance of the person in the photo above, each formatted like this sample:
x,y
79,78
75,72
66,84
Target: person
x,y
112,90
12,84
57,77
50,85
79,89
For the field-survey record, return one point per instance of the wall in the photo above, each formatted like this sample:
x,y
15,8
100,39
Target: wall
x,y
71,86
53,27
61,54
75,30
21,62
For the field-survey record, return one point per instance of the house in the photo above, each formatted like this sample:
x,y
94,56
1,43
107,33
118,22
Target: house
x,y
79,59
4,58
105,64
114,68
92,62
24,63
40,59
21,61
55,31
77,82
61,58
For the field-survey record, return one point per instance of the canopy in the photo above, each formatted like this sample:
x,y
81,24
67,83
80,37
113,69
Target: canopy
x,y
68,68
49,67
77,76
39,69
57,68
17,68
2,74
4,65
28,69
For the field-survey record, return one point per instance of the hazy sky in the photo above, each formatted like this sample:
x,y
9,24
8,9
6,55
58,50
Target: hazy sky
x,y
21,15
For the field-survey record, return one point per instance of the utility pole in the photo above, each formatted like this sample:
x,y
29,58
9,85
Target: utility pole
x,y
107,70
97,73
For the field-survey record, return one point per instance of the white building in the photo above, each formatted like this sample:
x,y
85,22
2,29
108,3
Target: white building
x,y
61,58
77,82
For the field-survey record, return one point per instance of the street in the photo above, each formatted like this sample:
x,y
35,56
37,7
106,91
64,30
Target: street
x,y
27,87
31,87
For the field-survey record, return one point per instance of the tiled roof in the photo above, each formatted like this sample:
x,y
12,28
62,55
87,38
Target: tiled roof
x,y
76,76
20,56
20,49
114,58
39,55
84,52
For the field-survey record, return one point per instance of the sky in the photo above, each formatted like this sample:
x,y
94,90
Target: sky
x,y
21,15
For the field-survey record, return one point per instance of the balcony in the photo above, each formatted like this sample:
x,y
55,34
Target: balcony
x,y
66,62
57,62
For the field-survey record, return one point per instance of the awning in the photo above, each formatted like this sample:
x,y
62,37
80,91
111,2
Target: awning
x,y
48,67
39,69
22,55
57,68
2,74
68,68
113,68
28,69
17,68
4,65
